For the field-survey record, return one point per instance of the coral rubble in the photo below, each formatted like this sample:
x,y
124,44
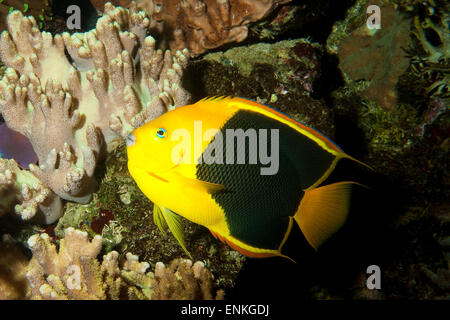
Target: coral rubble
x,y
75,108
73,272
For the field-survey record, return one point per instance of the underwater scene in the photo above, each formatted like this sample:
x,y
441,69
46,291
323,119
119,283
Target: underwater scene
x,y
270,150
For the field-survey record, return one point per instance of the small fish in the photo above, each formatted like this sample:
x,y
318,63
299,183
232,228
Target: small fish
x,y
14,145
250,209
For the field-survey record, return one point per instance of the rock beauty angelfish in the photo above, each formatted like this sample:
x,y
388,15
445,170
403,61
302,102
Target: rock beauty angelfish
x,y
179,161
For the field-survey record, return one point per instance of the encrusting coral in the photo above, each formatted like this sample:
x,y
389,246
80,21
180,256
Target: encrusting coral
x,y
75,107
73,272
22,192
363,52
200,25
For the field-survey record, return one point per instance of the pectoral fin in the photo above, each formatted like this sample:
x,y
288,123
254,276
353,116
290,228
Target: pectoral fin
x,y
211,188
164,217
208,187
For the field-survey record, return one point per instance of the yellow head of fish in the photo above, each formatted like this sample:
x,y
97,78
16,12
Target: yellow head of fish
x,y
150,147
172,139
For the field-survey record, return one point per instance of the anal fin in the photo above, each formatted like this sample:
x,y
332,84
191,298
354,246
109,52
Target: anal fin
x,y
243,251
208,187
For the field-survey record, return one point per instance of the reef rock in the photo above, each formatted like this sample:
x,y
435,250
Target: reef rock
x,y
13,268
283,75
375,56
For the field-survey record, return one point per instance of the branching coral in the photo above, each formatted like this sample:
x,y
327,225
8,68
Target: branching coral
x,y
182,280
74,95
67,273
21,191
73,272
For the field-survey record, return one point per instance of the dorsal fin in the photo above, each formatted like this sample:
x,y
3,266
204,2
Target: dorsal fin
x,y
208,187
268,111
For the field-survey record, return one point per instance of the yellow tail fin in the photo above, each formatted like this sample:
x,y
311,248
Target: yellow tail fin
x,y
323,211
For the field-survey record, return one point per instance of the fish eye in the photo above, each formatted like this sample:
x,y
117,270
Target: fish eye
x,y
161,133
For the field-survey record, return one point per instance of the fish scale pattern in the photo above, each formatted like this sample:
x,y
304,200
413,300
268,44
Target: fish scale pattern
x,y
255,203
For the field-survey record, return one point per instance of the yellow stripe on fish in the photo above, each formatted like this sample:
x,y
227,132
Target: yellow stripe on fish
x,y
190,161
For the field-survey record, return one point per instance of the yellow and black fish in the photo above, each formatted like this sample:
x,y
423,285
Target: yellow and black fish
x,y
252,212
